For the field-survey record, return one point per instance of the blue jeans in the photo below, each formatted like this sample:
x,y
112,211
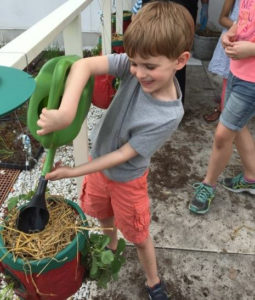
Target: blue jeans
x,y
239,104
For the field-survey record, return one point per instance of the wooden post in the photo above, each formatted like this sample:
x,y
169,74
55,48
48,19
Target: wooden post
x,y
73,45
119,16
106,27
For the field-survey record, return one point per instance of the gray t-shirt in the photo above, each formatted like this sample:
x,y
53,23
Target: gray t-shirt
x,y
134,117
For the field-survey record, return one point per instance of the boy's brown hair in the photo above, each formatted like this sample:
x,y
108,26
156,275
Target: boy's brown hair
x,y
160,28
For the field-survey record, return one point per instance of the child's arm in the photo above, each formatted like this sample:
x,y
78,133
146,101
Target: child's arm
x,y
204,14
56,119
106,161
224,19
228,38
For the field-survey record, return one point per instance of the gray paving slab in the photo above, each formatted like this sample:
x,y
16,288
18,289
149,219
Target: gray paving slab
x,y
181,162
189,275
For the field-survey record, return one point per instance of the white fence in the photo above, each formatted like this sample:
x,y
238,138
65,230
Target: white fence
x,y
66,19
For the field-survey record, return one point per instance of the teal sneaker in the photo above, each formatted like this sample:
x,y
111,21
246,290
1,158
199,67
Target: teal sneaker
x,y
203,196
238,184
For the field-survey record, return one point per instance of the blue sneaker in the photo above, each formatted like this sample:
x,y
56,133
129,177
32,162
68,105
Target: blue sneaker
x,y
157,292
204,194
238,184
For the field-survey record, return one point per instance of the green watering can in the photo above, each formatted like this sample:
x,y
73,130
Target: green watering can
x,y
50,83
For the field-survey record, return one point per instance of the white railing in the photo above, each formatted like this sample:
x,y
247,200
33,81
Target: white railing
x,y
67,20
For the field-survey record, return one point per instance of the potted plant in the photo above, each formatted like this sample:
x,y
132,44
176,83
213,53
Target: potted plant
x,y
53,263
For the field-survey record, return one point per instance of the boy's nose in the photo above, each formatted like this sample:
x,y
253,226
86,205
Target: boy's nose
x,y
140,74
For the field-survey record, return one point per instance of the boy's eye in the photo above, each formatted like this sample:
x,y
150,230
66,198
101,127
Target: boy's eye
x,y
150,67
133,64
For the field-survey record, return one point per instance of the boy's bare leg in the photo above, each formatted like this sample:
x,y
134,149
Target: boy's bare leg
x,y
109,223
221,153
147,258
246,148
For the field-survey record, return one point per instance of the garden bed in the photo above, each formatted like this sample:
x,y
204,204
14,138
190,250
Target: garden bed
x,y
14,152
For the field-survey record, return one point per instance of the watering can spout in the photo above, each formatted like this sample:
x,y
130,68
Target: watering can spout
x,y
34,216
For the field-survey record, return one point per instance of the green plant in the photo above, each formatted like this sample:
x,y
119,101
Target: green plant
x,y
116,83
13,201
7,293
97,50
51,53
103,264
5,152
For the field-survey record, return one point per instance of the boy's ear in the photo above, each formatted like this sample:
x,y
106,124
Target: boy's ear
x,y
182,60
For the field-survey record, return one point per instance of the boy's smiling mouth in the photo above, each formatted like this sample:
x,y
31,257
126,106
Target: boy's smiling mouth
x,y
146,83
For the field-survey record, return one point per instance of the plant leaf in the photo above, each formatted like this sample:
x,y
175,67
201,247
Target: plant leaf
x,y
115,266
29,195
93,238
85,249
122,259
12,202
94,268
107,257
104,279
121,246
115,276
105,240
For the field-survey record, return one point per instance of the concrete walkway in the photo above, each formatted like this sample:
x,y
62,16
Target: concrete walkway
x,y
200,257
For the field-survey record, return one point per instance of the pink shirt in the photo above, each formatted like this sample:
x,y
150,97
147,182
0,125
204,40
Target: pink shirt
x,y
245,68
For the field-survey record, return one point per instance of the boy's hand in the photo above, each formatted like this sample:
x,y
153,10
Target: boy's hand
x,y
51,120
59,172
240,49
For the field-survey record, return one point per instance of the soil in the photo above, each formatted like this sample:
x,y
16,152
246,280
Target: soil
x,y
12,151
208,33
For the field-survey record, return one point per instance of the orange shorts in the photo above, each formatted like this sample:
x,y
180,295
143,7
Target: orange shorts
x,y
127,202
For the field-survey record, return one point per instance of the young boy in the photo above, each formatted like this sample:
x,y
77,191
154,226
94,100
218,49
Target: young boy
x,y
239,45
146,110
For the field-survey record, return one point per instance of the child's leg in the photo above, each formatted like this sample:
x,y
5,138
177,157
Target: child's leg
x,y
109,223
238,109
95,201
147,258
223,91
131,203
246,149
221,153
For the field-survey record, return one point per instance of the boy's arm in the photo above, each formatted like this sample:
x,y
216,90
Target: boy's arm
x,y
106,161
81,70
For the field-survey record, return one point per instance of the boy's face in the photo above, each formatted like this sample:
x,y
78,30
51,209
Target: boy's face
x,y
155,74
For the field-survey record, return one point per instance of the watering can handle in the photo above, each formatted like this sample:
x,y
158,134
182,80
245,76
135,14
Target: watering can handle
x,y
50,84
